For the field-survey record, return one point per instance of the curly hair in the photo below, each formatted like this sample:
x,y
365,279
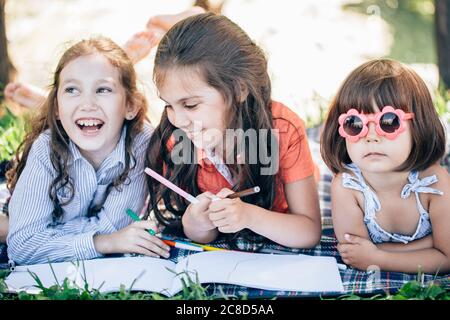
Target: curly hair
x,y
46,119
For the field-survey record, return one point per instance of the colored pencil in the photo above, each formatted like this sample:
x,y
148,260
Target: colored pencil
x,y
183,245
135,217
171,186
244,193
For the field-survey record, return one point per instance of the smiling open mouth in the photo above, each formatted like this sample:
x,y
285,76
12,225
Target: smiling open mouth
x,y
89,125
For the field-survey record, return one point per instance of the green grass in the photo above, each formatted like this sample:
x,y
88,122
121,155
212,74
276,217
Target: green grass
x,y
413,290
68,290
193,290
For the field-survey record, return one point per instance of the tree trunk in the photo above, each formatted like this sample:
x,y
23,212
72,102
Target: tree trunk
x,y
442,22
6,67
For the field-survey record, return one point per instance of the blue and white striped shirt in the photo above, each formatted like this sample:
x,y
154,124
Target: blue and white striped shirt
x,y
34,238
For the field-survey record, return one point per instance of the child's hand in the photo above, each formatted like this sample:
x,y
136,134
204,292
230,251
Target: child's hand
x,y
358,252
133,239
229,215
196,216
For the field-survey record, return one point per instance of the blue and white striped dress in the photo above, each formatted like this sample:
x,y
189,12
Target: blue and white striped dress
x,y
34,238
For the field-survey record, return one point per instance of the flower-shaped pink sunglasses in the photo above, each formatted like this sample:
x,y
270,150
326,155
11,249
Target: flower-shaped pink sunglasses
x,y
389,122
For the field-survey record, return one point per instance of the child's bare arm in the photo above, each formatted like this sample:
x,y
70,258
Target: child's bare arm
x,y
432,260
348,218
300,228
361,253
304,211
424,243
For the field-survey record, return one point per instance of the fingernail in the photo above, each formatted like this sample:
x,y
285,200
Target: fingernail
x,y
347,236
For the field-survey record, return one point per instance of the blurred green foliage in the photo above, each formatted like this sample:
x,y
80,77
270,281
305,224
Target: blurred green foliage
x,y
411,23
12,133
442,102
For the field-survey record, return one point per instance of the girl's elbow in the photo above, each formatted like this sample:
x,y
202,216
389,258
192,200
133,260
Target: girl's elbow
x,y
316,234
445,269
305,244
314,239
443,266
310,240
19,251
441,269
17,255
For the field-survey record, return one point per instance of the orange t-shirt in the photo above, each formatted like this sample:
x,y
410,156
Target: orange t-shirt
x,y
295,161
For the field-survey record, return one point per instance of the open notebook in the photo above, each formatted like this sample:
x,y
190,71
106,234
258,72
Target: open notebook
x,y
255,270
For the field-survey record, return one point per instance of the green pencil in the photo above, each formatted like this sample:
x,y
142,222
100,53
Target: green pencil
x,y
135,217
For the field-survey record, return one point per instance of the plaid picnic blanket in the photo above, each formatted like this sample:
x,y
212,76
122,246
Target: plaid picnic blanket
x,y
354,281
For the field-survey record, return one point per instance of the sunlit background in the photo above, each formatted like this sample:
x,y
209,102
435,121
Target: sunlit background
x,y
311,44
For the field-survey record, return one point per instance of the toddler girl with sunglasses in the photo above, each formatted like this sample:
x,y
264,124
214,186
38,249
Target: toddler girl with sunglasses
x,y
390,198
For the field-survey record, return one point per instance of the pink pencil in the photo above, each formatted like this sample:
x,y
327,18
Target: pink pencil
x,y
171,186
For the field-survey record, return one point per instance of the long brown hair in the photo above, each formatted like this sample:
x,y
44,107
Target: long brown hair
x,y
46,119
386,82
229,61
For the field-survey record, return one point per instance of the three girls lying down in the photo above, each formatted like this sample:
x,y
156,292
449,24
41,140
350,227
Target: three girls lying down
x,y
81,165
